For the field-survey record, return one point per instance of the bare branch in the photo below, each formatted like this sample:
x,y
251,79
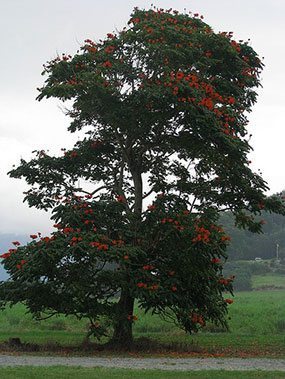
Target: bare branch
x,y
192,205
47,317
148,193
93,192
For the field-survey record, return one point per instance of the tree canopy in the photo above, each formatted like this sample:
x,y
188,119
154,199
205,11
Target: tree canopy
x,y
161,106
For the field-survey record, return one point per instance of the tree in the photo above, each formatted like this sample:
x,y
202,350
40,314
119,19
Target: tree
x,y
163,108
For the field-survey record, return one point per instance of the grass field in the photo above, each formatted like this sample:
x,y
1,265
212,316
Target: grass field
x,y
268,280
256,321
102,373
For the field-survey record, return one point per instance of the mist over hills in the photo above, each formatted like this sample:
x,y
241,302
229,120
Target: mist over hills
x,y
247,246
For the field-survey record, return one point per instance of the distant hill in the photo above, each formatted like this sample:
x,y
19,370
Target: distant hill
x,y
247,245
5,244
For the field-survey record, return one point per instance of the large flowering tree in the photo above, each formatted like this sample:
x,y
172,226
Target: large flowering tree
x,y
163,105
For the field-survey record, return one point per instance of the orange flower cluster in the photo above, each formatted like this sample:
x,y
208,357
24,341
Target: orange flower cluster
x,y
231,100
219,229
215,227
73,81
135,20
215,260
203,235
21,264
79,66
64,57
152,287
207,102
156,40
236,46
67,230
121,199
75,240
226,281
107,64
96,143
109,49
7,255
197,319
141,285
118,242
249,72
47,239
100,246
132,318
91,46
71,154
88,211
148,267
176,223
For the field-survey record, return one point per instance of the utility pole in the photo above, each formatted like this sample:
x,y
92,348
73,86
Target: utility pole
x,y
277,252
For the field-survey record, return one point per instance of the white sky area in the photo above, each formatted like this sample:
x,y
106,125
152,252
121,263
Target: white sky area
x,y
34,31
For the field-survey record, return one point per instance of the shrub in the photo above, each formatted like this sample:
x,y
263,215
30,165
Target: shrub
x,y
259,268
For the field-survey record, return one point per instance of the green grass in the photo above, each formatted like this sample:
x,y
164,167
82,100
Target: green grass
x,y
102,373
256,321
16,322
268,280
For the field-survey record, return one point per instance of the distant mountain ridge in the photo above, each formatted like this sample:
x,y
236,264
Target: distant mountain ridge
x,y
247,246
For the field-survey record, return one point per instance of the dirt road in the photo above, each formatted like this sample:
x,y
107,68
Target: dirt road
x,y
183,364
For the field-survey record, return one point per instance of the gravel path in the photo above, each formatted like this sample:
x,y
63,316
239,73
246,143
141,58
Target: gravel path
x,y
183,364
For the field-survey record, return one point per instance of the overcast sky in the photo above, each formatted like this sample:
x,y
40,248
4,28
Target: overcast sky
x,y
34,31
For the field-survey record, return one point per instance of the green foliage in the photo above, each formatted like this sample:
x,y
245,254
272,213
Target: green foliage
x,y
162,105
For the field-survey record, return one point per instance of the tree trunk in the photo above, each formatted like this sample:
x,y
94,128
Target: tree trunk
x,y
123,319
123,322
